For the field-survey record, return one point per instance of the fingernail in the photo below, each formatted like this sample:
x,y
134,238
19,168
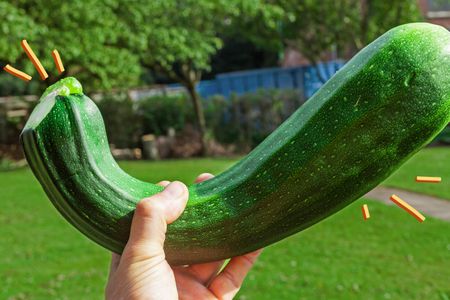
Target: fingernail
x,y
174,189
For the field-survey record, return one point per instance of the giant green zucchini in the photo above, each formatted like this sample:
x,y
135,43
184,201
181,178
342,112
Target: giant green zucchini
x,y
390,100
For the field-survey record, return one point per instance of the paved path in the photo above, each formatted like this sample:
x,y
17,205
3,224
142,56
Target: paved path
x,y
429,205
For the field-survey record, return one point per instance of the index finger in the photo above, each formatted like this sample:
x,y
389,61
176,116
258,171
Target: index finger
x,y
229,281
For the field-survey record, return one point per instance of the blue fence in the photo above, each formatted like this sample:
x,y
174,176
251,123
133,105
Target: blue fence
x,y
305,78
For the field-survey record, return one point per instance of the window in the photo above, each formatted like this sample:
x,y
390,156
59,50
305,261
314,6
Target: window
x,y
438,9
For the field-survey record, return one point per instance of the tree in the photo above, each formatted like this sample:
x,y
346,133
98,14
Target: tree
x,y
252,38
14,23
87,34
181,40
377,16
104,43
317,29
184,37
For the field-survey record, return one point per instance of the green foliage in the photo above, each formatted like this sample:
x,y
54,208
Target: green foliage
x,y
187,33
245,120
248,119
159,113
16,21
259,22
317,28
191,37
381,16
86,33
10,85
11,126
126,121
104,43
252,38
182,35
122,122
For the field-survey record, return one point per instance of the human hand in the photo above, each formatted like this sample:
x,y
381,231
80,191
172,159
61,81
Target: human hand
x,y
142,272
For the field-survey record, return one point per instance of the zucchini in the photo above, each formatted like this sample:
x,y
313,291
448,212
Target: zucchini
x,y
384,105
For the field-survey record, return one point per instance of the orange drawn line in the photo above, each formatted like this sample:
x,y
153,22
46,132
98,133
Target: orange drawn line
x,y
365,211
58,61
428,179
17,73
408,208
37,64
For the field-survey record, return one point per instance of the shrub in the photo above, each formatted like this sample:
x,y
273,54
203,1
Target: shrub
x,y
161,112
122,122
11,125
245,120
249,118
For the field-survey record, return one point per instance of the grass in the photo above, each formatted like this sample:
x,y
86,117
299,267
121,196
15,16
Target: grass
x,y
428,162
390,256
42,256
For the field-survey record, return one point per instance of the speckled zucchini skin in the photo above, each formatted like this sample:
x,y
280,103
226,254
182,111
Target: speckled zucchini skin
x,y
389,101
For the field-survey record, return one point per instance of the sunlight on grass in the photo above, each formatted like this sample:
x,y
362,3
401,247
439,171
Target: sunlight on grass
x,y
390,256
428,162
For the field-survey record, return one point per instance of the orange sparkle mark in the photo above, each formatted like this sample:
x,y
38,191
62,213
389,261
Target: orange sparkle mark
x,y
37,64
365,211
58,61
408,208
428,179
17,73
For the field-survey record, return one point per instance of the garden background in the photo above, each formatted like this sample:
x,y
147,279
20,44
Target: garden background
x,y
187,87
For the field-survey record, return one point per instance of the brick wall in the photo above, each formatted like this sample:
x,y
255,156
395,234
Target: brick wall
x,y
436,11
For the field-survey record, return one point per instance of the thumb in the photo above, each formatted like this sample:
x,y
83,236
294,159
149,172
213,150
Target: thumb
x,y
149,225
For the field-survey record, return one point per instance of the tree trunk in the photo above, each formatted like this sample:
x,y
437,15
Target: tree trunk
x,y
199,115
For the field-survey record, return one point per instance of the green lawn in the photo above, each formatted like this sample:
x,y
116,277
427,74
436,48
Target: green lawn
x,y
428,162
391,256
